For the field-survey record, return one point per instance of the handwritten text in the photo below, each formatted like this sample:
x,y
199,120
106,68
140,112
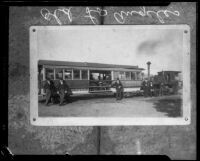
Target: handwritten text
x,y
119,16
99,11
48,15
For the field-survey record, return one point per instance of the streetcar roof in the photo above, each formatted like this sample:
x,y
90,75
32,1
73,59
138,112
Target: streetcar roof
x,y
168,71
86,64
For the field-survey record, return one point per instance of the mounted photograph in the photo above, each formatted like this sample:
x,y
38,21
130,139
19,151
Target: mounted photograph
x,y
110,75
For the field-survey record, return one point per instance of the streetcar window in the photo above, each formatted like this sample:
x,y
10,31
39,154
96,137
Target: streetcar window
x,y
133,77
67,74
84,74
128,76
139,76
122,75
59,73
76,74
116,75
49,73
94,76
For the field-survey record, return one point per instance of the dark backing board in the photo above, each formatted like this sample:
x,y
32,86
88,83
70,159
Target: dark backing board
x,y
178,142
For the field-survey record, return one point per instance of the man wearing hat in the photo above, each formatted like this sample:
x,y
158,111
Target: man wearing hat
x,y
151,88
61,91
145,87
48,84
119,89
68,93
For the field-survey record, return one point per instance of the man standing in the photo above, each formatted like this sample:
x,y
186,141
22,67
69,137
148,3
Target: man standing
x,y
145,88
161,88
151,88
119,89
61,91
68,93
47,87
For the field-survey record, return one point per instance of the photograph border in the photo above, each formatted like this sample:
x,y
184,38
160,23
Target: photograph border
x,y
109,121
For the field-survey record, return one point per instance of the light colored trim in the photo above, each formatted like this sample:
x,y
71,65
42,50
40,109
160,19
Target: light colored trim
x,y
136,77
92,68
112,75
72,74
63,74
107,121
54,74
80,74
43,78
80,92
134,89
44,73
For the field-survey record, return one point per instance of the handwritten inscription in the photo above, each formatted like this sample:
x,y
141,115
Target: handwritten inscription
x,y
120,16
99,11
93,14
48,15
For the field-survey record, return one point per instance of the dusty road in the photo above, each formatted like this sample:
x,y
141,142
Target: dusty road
x,y
106,106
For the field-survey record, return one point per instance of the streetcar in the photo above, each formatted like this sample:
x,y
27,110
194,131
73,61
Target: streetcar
x,y
88,77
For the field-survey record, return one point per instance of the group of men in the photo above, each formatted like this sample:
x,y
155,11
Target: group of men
x,y
61,88
54,89
148,87
151,90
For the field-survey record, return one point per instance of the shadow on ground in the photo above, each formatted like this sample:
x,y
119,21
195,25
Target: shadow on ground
x,y
172,107
81,97
90,97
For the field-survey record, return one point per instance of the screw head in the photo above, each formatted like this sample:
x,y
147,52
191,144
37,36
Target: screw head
x,y
34,119
186,119
34,30
185,31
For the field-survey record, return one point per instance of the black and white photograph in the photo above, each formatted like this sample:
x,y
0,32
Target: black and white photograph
x,y
113,74
104,79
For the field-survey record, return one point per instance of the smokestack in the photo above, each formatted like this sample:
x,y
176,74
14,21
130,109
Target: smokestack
x,y
148,68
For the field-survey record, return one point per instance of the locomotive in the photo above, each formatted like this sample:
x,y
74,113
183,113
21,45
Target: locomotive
x,y
171,81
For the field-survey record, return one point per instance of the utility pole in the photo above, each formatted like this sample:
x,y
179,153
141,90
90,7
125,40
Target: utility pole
x,y
148,68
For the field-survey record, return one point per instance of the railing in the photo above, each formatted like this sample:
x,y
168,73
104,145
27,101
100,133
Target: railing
x,y
129,83
104,85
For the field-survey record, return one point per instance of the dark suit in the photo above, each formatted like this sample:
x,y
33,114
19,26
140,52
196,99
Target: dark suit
x,y
67,95
119,90
48,86
61,90
145,88
151,89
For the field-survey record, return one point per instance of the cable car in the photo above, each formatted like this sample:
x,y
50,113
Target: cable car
x,y
86,77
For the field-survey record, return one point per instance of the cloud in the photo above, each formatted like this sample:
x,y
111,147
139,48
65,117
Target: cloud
x,y
148,47
160,42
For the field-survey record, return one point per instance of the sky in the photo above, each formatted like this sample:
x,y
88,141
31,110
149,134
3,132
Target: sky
x,y
125,46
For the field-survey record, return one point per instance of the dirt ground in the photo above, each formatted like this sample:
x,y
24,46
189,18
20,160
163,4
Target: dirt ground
x,y
107,105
